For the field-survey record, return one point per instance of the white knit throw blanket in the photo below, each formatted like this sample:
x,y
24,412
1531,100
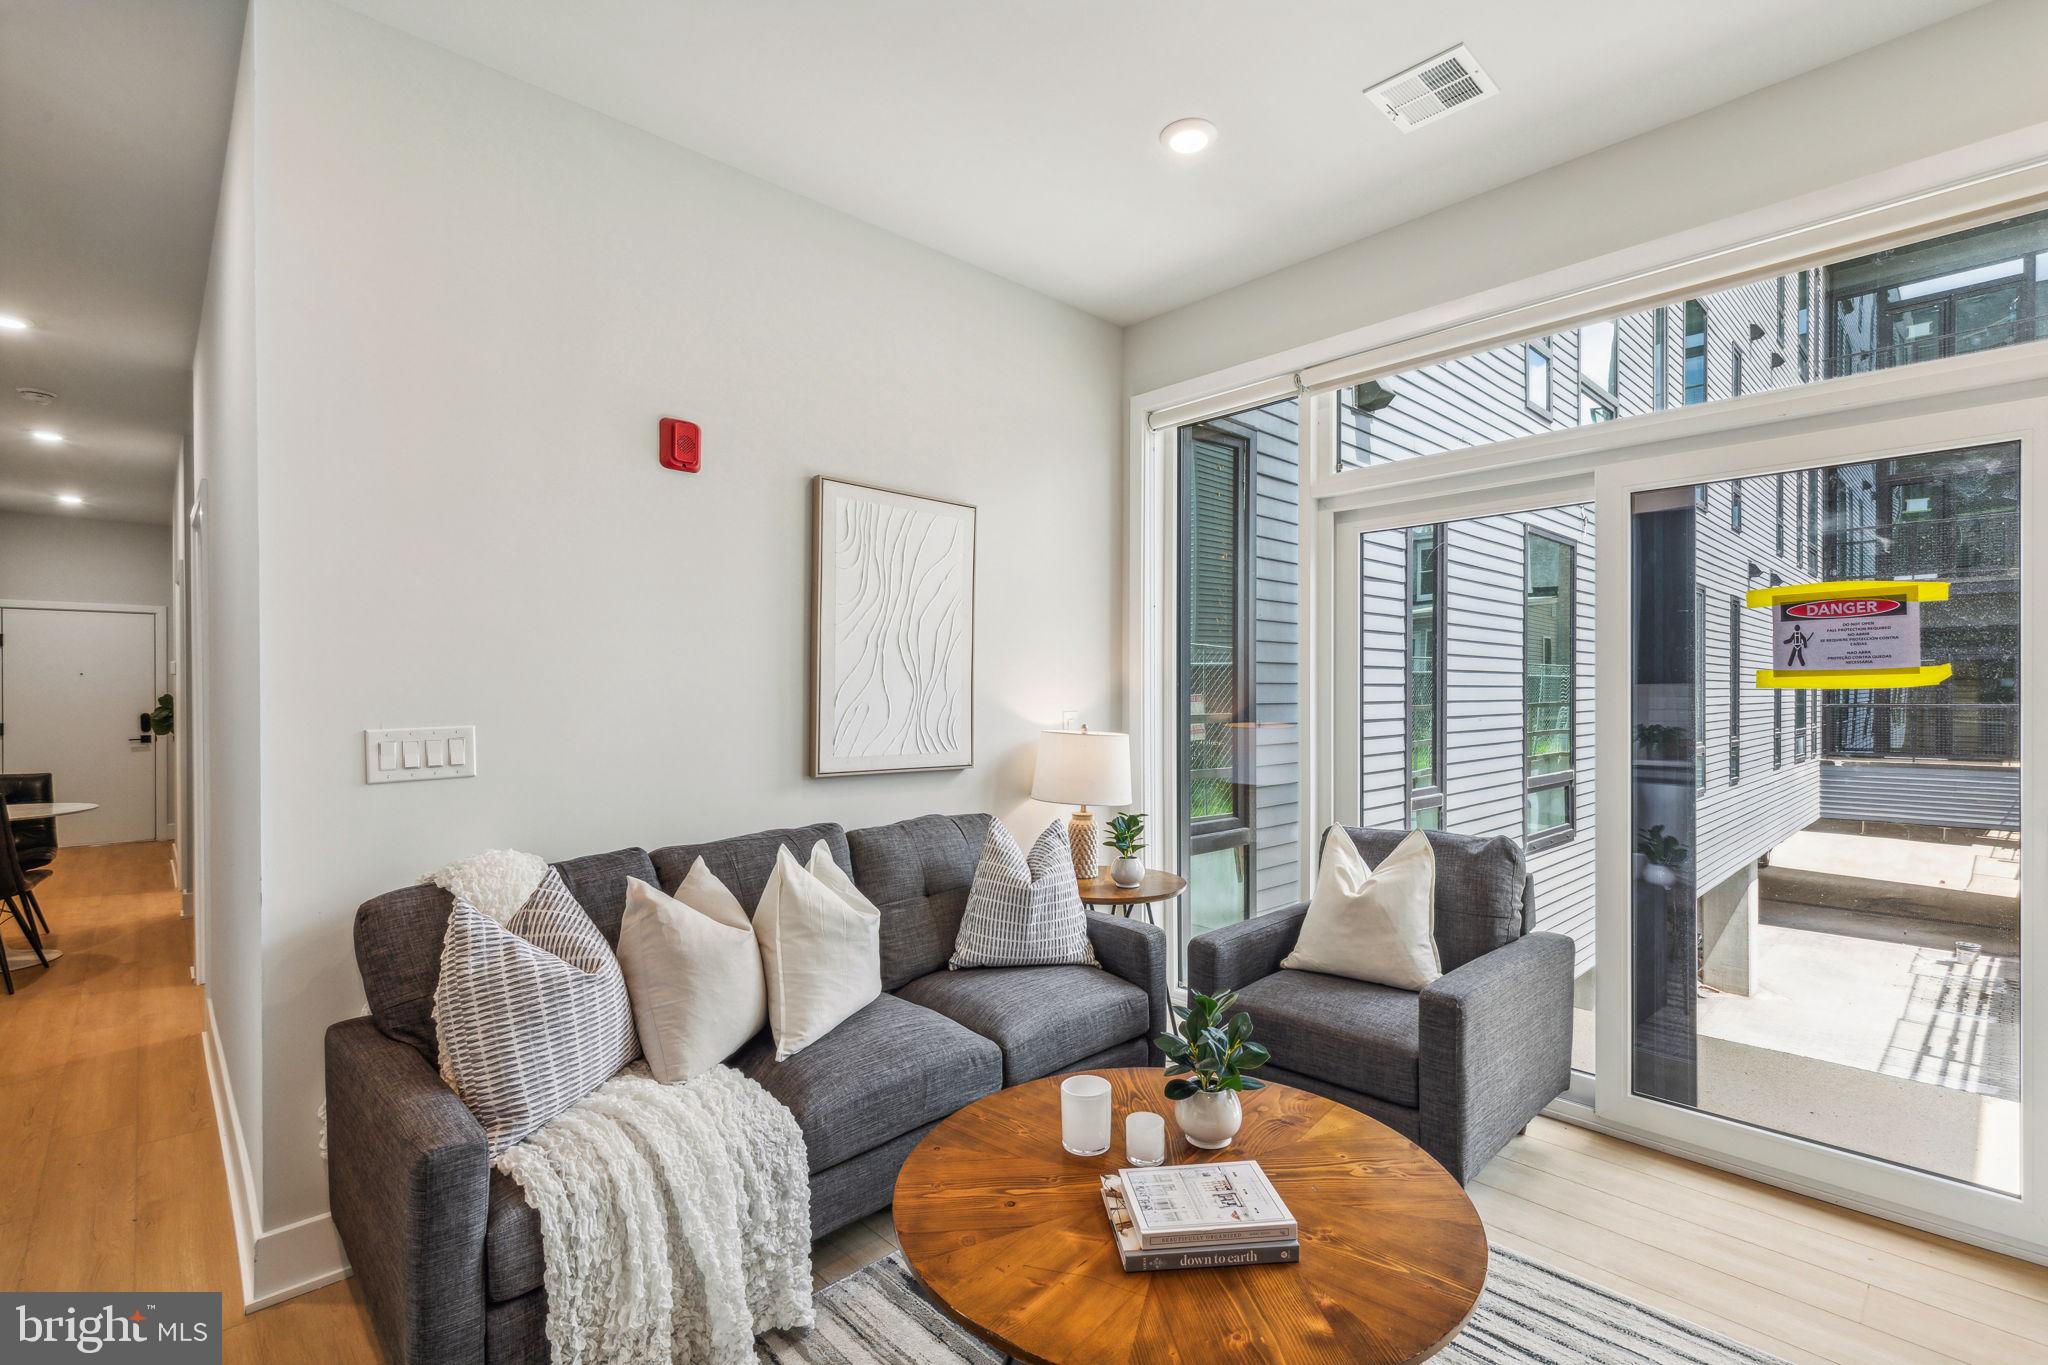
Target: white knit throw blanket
x,y
675,1220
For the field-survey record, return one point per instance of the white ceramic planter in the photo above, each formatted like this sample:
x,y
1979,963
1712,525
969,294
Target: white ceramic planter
x,y
1660,874
1211,1119
1127,871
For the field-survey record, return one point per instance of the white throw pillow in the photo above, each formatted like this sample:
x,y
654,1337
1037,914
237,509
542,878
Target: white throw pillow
x,y
1372,923
531,1014
821,949
693,970
1023,912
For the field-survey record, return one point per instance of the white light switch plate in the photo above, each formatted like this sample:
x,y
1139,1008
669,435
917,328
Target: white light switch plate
x,y
453,740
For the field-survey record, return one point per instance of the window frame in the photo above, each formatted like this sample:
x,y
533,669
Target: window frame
x,y
1699,688
1695,350
1535,841
1436,797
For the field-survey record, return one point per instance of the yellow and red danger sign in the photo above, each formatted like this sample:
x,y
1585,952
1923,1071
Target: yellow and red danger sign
x,y
1850,634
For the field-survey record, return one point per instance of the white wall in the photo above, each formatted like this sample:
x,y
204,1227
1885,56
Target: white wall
x,y
1971,78
81,559
473,302
224,688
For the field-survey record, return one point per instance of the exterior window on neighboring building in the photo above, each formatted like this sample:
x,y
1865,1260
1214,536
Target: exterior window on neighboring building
x,y
1778,522
1799,726
1735,371
1734,690
1599,358
1779,338
1735,506
1805,325
1549,688
1813,522
1777,727
1695,351
1425,677
1536,377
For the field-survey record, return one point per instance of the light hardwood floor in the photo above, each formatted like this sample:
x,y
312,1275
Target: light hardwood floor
x,y
104,1085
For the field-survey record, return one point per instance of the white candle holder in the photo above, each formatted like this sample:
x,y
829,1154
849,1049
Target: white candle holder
x,y
1084,1115
1144,1138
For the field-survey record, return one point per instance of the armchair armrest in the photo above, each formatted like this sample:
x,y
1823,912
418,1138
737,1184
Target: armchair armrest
x,y
408,1178
1236,955
1135,951
1496,1047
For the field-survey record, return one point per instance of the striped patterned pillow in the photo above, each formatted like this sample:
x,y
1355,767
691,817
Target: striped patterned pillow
x,y
1023,912
532,1013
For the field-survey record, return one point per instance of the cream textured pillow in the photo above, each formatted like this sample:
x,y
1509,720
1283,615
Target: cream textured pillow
x,y
821,949
1372,924
693,971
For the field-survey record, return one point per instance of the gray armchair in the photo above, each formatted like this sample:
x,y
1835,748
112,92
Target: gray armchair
x,y
1459,1067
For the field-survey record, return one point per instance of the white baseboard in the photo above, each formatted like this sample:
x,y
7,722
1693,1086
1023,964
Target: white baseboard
x,y
277,1263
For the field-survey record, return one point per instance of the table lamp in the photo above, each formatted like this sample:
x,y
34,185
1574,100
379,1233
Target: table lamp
x,y
1083,768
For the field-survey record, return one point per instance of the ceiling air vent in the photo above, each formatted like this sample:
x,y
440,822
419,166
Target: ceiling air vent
x,y
1431,89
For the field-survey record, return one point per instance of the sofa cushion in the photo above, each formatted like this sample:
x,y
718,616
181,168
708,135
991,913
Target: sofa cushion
x,y
917,872
398,939
891,1067
745,862
1351,1033
512,1254
1479,886
1045,1019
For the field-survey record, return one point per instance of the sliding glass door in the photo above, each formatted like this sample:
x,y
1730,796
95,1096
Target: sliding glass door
x,y
1826,888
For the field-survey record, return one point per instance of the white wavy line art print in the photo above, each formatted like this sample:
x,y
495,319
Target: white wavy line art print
x,y
902,609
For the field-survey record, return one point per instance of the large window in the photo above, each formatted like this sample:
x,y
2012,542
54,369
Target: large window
x,y
1548,668
1969,291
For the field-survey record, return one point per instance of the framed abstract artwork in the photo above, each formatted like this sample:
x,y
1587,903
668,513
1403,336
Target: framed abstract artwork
x,y
892,631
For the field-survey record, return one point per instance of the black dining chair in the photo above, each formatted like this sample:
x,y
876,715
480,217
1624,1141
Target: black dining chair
x,y
17,895
35,841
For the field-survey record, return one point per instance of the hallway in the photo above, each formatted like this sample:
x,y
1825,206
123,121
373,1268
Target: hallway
x,y
115,1163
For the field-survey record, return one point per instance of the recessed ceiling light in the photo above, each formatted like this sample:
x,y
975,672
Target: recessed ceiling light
x,y
71,499
1188,135
47,436
11,323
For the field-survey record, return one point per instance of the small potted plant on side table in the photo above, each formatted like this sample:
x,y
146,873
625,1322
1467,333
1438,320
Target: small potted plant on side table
x,y
1205,1065
1127,836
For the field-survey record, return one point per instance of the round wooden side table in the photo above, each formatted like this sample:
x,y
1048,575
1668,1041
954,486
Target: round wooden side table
x,y
1155,886
1006,1231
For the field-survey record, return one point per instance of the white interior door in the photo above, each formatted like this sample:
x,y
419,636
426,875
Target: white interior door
x,y
73,686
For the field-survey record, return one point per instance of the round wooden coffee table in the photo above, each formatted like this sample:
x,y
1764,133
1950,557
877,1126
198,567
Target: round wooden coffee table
x,y
1007,1233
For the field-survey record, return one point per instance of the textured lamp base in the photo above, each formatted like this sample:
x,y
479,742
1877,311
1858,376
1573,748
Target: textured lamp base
x,y
1081,834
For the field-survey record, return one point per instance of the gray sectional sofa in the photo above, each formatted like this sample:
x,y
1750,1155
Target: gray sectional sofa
x,y
446,1250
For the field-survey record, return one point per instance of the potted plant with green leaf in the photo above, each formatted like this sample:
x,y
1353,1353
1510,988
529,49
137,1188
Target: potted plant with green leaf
x,y
1205,1065
1659,856
1127,836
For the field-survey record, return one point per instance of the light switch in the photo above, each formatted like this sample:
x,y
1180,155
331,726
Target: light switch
x,y
422,753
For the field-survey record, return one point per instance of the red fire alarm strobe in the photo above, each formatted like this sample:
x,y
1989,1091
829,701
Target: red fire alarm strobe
x,y
680,445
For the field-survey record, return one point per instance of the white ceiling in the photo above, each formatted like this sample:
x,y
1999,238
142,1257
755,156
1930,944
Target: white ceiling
x,y
113,123
1023,137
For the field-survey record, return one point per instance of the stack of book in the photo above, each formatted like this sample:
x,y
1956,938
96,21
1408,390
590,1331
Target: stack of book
x,y
1199,1217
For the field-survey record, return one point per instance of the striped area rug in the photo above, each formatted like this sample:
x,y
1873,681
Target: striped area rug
x,y
1529,1315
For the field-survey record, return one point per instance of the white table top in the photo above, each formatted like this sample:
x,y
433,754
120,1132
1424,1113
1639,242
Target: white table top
x,y
47,810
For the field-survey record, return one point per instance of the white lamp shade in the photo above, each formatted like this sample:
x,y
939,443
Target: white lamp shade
x,y
1083,768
